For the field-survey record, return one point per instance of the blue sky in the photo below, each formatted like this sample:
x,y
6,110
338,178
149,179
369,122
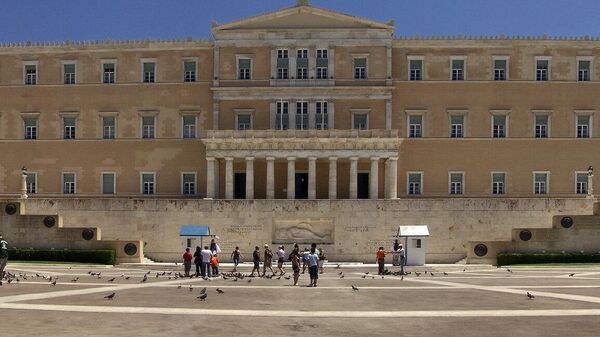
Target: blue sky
x,y
58,20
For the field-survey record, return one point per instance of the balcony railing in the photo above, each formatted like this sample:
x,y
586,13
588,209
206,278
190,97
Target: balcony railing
x,y
302,133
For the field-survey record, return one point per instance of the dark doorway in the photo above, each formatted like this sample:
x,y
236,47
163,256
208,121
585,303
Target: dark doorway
x,y
239,186
362,181
301,185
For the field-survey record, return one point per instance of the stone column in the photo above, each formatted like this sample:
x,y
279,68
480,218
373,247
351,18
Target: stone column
x,y
312,175
353,177
392,175
216,66
270,177
215,121
332,178
24,184
388,114
210,177
249,177
291,178
374,178
228,178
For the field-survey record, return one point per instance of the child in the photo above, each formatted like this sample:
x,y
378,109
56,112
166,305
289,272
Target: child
x,y
381,260
236,255
214,263
187,262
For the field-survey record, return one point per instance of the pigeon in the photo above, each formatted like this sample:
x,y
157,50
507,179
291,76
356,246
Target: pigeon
x,y
430,273
110,297
112,280
364,276
465,269
402,278
338,266
75,279
354,288
219,291
249,280
342,276
418,274
53,283
571,275
191,288
202,297
509,270
340,273
367,273
445,274
287,277
203,291
127,277
179,286
145,278
530,296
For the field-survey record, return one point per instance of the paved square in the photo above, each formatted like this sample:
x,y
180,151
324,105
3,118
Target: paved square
x,y
480,301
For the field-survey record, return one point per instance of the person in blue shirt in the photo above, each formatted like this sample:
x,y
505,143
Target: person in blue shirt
x,y
313,267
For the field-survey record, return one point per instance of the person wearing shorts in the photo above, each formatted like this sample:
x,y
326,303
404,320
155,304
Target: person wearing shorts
x,y
236,255
3,255
313,267
321,260
268,261
256,260
280,257
295,257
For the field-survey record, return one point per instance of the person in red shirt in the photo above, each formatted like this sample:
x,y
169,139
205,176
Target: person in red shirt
x,y
187,262
214,263
381,260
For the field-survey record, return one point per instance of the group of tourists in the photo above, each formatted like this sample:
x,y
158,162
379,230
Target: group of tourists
x,y
206,260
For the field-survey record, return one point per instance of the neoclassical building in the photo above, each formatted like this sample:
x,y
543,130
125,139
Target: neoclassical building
x,y
304,103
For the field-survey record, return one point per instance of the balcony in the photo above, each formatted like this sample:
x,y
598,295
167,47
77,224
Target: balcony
x,y
312,133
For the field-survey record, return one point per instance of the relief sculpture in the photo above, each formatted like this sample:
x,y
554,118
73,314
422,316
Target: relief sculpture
x,y
304,230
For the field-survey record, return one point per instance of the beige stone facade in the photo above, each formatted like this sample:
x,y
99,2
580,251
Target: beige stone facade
x,y
302,103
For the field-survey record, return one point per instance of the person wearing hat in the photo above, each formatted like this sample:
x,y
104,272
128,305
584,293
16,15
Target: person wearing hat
x,y
268,260
3,255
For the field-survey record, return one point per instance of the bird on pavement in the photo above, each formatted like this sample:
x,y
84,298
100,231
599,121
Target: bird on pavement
x,y
337,267
127,277
571,275
112,280
340,273
367,273
179,286
219,291
203,291
145,278
191,288
530,296
509,270
445,274
402,278
418,274
354,288
53,283
202,297
342,276
249,280
111,296
75,279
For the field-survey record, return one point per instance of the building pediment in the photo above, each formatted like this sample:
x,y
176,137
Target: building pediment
x,y
301,16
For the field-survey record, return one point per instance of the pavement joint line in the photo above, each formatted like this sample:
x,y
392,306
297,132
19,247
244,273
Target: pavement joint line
x,y
295,313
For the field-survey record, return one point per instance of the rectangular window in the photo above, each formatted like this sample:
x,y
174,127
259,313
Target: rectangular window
x,y
456,183
189,126
456,126
244,121
360,68
415,71
148,181
282,117
302,64
31,74
540,183
498,182
188,181
189,71
583,126
414,183
541,126
149,69
322,115
584,70
500,70
359,121
301,115
581,182
415,126
499,126
108,183
322,63
69,73
68,183
282,64
458,69
109,72
69,127
109,127
30,128
244,68
542,69
31,182
148,127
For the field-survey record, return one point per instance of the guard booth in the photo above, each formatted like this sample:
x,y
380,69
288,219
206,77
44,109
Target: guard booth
x,y
415,238
193,235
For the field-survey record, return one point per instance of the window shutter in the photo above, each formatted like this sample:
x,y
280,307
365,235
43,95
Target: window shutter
x,y
498,177
500,64
540,177
360,62
416,64
584,65
414,178
109,66
147,120
147,178
456,177
541,120
69,68
456,119
458,64
542,64
302,63
108,121
108,183
30,121
582,178
148,67
244,63
189,66
415,119
69,121
282,63
189,120
499,120
583,120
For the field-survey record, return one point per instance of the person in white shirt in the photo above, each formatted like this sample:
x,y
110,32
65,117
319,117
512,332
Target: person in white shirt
x,y
280,257
206,255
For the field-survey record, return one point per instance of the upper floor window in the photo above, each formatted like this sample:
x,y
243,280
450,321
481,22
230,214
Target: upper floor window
x,y
189,126
188,182
282,64
415,126
457,126
109,72
108,182
69,124
498,182
31,182
540,182
583,126
301,115
69,73
542,68
302,64
322,115
30,73
499,126
360,68
415,69
541,126
456,182
189,71
457,72
322,63
148,125
360,121
500,68
68,183
244,68
581,182
30,128
584,69
243,121
148,182
415,180
109,127
148,71
282,116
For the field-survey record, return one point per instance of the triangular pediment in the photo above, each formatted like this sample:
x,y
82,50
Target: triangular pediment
x,y
302,16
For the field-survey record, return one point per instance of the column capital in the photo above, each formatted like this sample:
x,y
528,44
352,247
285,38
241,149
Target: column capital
x,y
333,158
270,158
353,158
249,158
210,158
393,158
291,158
229,158
374,158
312,158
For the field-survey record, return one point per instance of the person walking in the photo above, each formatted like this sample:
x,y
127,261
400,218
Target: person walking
x,y
313,267
236,255
206,255
187,262
396,253
280,257
295,258
214,264
321,260
3,255
268,261
256,260
381,261
305,259
402,257
198,261
214,247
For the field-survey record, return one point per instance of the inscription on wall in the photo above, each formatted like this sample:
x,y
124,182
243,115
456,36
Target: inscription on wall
x,y
244,229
